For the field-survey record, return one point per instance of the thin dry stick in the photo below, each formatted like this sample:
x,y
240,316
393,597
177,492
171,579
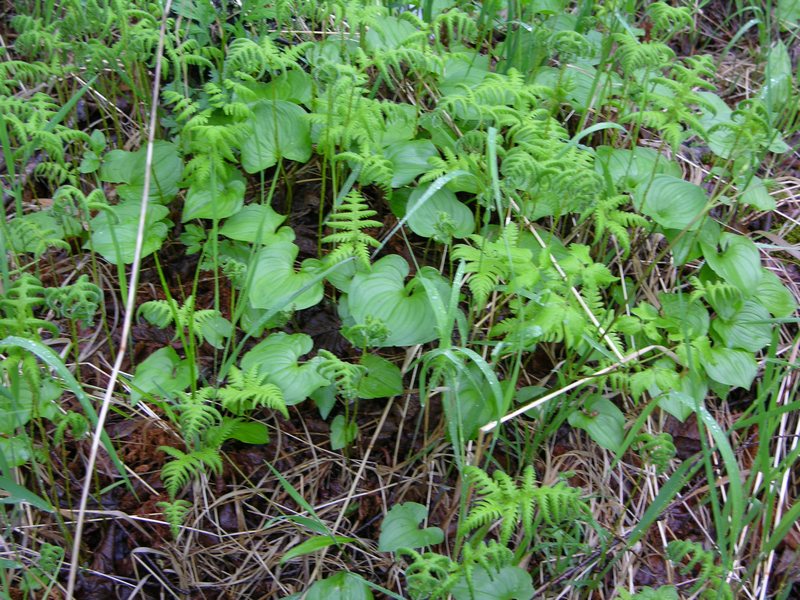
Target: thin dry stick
x,y
623,360
126,323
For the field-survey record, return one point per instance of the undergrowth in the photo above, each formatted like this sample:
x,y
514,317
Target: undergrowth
x,y
457,299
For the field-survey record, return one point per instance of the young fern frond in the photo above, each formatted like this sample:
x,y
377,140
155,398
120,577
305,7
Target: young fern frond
x,y
175,513
196,414
344,375
633,54
348,221
694,560
248,390
178,472
492,262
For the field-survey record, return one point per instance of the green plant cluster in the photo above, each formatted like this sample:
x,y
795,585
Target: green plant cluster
x,y
532,161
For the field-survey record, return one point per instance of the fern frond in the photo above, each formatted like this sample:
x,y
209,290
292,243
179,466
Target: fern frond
x,y
175,513
178,472
248,390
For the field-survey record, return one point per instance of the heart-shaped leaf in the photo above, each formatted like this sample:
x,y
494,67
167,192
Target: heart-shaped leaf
x,y
382,295
342,586
256,222
382,380
162,374
409,159
279,129
603,421
672,202
509,583
277,286
202,203
114,234
629,169
738,263
128,168
730,367
774,296
748,329
343,433
441,216
400,528
277,357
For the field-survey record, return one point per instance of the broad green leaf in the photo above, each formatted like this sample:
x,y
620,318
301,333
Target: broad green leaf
x,y
462,73
672,202
116,227
15,450
275,280
687,395
789,12
738,263
748,329
401,126
313,544
383,295
774,296
202,203
277,357
629,169
777,89
757,196
685,245
15,493
342,586
291,86
280,129
388,33
682,316
603,421
250,432
409,159
737,368
256,222
343,433
215,330
400,528
382,380
509,583
468,401
128,168
162,374
441,216
677,404
16,409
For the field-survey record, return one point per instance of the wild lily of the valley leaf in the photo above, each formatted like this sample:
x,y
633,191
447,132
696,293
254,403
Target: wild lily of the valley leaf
x,y
400,528
277,356
509,583
114,231
603,421
129,168
629,169
774,296
382,294
738,263
748,329
256,223
162,374
441,216
409,159
730,366
277,286
280,129
342,586
343,433
382,380
203,203
672,202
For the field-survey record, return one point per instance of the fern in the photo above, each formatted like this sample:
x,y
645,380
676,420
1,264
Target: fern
x,y
177,473
344,375
694,560
657,449
207,324
249,390
608,217
79,301
175,513
524,504
196,414
349,219
491,263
